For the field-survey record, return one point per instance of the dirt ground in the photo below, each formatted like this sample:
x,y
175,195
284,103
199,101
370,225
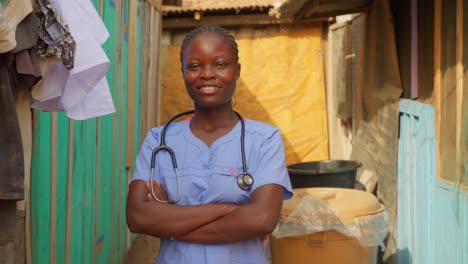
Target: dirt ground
x,y
143,250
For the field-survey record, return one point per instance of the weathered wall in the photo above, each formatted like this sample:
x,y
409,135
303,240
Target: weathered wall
x,y
377,90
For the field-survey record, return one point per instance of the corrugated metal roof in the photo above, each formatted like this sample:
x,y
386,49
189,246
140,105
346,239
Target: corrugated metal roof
x,y
220,5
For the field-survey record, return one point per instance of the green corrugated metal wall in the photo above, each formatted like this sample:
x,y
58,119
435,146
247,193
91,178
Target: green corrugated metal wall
x,y
79,174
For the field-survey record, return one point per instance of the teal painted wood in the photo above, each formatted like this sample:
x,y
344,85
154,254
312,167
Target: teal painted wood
x,y
98,171
40,189
415,165
432,215
62,181
78,190
137,136
104,196
448,226
465,231
89,182
105,236
117,139
124,123
138,80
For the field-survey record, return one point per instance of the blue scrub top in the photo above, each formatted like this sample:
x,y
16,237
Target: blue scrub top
x,y
208,175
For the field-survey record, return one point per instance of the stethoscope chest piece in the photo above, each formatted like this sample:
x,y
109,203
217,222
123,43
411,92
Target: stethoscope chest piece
x,y
245,181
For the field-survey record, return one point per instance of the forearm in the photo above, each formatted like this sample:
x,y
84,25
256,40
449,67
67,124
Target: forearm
x,y
244,222
241,224
168,220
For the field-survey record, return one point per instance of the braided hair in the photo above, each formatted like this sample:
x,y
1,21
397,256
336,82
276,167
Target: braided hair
x,y
217,30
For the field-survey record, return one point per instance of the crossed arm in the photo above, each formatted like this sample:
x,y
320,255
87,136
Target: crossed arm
x,y
207,223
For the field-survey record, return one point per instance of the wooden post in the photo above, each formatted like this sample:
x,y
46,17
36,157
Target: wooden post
x,y
132,50
460,147
437,76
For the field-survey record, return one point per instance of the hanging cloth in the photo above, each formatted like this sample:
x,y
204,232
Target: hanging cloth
x,y
82,92
55,38
25,65
11,151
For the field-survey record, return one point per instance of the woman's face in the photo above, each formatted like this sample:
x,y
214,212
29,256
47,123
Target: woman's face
x,y
210,70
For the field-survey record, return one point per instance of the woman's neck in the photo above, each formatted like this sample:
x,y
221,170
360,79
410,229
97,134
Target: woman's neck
x,y
209,125
212,119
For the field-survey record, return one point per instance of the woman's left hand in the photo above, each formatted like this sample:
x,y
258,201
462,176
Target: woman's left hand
x,y
159,192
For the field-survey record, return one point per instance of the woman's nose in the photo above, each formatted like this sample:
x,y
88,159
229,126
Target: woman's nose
x,y
207,73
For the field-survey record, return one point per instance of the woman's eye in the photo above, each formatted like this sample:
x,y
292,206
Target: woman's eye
x,y
221,65
193,67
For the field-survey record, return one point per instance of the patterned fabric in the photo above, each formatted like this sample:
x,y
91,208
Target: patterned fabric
x,y
54,36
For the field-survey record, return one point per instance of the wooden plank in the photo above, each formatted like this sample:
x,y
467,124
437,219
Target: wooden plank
x,y
414,49
156,119
437,76
416,173
104,191
62,185
77,243
131,84
53,189
123,119
105,199
448,95
339,144
8,231
69,192
40,191
116,173
97,238
464,95
23,110
459,100
88,181
156,4
464,233
232,20
146,64
447,223
150,89
426,48
139,81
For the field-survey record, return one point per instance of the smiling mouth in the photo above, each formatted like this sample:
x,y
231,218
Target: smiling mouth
x,y
208,89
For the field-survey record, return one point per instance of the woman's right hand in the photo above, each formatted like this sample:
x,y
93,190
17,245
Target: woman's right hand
x,y
159,192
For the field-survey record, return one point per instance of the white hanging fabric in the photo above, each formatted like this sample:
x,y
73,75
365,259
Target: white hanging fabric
x,y
82,92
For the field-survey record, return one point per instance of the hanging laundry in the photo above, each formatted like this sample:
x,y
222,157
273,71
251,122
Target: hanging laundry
x,y
82,92
55,38
12,12
11,151
26,67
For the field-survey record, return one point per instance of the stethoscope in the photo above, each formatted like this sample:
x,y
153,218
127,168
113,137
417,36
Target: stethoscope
x,y
244,180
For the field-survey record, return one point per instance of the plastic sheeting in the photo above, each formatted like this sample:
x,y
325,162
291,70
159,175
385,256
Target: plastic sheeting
x,y
281,83
315,215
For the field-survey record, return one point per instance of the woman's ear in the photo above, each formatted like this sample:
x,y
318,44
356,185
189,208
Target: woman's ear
x,y
238,70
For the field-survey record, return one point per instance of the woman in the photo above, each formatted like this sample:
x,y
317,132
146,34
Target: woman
x,y
216,220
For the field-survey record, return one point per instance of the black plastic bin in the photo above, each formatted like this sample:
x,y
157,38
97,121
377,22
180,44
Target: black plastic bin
x,y
324,173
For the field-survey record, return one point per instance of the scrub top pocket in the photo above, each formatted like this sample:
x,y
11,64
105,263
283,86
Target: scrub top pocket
x,y
223,187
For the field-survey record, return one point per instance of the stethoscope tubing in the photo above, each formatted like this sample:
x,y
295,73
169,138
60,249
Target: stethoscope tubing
x,y
163,147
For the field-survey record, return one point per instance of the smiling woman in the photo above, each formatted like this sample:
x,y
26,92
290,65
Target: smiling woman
x,y
215,218
210,69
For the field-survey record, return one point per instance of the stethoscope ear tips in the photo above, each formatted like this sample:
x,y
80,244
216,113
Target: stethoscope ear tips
x,y
245,181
